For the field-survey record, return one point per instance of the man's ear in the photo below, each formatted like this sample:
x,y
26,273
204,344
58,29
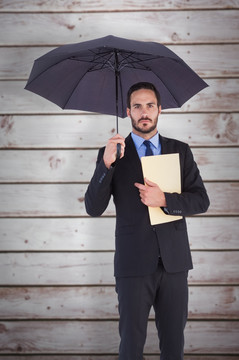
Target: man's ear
x,y
128,112
160,109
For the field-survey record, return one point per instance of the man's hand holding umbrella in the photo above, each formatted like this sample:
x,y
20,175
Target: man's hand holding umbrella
x,y
111,149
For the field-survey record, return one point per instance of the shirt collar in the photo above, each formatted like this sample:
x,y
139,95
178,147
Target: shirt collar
x,y
138,140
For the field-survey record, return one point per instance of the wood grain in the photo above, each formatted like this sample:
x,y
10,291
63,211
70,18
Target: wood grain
x,y
79,165
89,337
114,5
50,234
23,269
224,198
17,303
108,357
62,28
75,131
54,200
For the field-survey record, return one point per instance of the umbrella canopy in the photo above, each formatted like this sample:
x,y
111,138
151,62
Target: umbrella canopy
x,y
95,75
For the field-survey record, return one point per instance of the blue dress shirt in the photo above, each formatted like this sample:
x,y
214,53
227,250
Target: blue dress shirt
x,y
141,148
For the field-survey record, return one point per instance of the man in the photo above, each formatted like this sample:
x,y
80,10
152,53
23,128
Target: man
x,y
151,262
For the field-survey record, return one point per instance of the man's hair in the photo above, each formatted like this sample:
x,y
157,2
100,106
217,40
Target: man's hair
x,y
143,85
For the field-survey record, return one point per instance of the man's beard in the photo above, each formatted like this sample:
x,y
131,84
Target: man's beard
x,y
143,130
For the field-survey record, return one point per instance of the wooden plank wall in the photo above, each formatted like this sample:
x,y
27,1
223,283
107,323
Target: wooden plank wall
x,y
57,297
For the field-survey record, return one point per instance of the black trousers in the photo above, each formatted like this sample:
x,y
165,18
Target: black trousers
x,y
168,294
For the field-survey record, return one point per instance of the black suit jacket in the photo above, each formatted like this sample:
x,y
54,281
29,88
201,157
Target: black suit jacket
x,y
138,243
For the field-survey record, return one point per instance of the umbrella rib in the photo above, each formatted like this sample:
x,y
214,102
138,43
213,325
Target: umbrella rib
x,y
96,60
134,60
73,90
102,56
42,72
150,69
166,87
126,56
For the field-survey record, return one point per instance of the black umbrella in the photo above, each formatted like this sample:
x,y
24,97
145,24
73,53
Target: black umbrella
x,y
95,75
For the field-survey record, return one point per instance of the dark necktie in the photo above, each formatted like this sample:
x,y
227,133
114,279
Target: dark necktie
x,y
148,152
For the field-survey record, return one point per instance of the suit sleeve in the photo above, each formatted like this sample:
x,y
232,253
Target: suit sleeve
x,y
193,199
98,193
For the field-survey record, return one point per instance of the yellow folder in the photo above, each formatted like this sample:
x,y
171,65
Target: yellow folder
x,y
163,170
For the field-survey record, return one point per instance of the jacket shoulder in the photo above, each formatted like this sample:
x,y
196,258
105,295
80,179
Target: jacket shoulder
x,y
170,143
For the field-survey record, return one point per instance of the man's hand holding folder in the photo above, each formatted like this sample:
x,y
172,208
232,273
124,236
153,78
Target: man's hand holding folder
x,y
151,194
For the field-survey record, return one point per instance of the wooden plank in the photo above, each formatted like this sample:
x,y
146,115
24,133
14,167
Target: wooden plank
x,y
209,267
210,60
108,357
224,198
213,233
213,302
79,165
48,166
56,269
114,5
89,337
217,164
24,269
44,200
212,96
192,27
89,303
205,233
75,131
15,100
51,234
206,60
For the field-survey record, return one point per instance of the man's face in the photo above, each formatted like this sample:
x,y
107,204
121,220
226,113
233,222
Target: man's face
x,y
144,112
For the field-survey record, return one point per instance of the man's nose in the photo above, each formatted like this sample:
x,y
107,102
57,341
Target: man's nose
x,y
144,113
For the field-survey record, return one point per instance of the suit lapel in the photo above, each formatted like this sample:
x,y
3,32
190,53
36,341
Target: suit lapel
x,y
164,144
131,156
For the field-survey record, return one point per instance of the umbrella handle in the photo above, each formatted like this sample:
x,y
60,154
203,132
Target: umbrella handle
x,y
118,151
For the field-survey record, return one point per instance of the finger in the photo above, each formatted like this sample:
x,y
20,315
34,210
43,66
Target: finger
x,y
118,138
139,186
149,183
114,143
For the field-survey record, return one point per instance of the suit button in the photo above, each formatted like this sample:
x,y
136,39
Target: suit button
x,y
102,178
